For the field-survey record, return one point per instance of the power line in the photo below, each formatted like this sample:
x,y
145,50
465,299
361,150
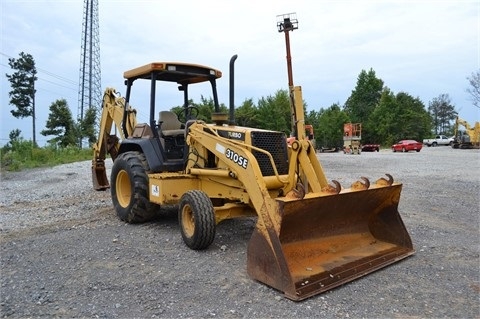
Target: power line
x,y
59,77
52,82
67,87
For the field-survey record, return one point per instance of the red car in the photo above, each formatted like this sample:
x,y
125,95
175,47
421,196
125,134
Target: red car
x,y
407,145
371,148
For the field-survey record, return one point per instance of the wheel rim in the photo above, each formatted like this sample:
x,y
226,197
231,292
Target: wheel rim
x,y
123,188
188,221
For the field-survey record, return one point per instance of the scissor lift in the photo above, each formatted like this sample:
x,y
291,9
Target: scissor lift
x,y
352,137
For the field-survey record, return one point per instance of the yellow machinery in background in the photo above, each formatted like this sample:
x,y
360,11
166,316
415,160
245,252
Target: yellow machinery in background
x,y
469,137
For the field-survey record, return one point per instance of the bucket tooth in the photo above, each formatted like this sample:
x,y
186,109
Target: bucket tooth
x,y
384,182
333,189
359,185
296,193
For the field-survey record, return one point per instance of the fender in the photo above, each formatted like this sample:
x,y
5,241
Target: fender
x,y
153,153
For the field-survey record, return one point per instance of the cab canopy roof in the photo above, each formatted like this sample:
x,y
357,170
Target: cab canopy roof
x,y
183,73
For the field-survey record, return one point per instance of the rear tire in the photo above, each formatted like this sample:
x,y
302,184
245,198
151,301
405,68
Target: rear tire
x,y
196,217
130,188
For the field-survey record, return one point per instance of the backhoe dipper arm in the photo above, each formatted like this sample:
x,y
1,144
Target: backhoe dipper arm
x,y
113,111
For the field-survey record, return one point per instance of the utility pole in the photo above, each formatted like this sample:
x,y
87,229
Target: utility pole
x,y
89,93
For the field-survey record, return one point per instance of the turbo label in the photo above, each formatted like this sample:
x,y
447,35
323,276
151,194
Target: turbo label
x,y
235,135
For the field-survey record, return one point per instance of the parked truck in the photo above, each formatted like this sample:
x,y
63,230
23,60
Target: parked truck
x,y
438,140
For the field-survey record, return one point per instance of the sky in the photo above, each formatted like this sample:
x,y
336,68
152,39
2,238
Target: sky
x,y
422,47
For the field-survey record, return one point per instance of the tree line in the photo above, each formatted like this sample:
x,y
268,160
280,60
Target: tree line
x,y
386,116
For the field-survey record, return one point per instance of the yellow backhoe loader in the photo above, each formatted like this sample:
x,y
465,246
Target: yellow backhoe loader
x,y
310,235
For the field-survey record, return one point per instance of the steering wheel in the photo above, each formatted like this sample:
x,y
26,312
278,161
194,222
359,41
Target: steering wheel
x,y
192,112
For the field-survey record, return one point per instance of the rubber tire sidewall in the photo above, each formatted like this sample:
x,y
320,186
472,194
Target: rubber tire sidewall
x,y
199,205
139,208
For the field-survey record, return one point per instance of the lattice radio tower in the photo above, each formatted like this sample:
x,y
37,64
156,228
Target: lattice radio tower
x,y
89,93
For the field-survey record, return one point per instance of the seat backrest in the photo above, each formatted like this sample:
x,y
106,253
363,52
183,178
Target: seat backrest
x,y
169,121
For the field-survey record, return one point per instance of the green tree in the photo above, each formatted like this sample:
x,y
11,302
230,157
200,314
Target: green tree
x,y
398,117
364,97
474,90
312,118
382,123
205,109
413,116
247,114
443,113
16,151
22,81
61,125
274,112
86,127
329,132
14,137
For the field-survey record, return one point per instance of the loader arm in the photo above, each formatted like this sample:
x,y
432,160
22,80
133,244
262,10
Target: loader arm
x,y
113,112
246,170
298,115
303,150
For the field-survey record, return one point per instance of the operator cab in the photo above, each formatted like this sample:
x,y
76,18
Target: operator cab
x,y
168,133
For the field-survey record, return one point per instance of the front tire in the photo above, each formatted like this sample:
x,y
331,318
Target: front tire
x,y
129,189
196,217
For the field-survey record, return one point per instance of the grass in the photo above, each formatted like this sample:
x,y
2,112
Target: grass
x,y
22,154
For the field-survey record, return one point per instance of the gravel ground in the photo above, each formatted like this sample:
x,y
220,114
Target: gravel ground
x,y
64,253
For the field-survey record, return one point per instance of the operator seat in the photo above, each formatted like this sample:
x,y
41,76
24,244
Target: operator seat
x,y
172,134
169,124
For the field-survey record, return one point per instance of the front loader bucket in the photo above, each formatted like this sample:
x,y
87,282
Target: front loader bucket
x,y
327,240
